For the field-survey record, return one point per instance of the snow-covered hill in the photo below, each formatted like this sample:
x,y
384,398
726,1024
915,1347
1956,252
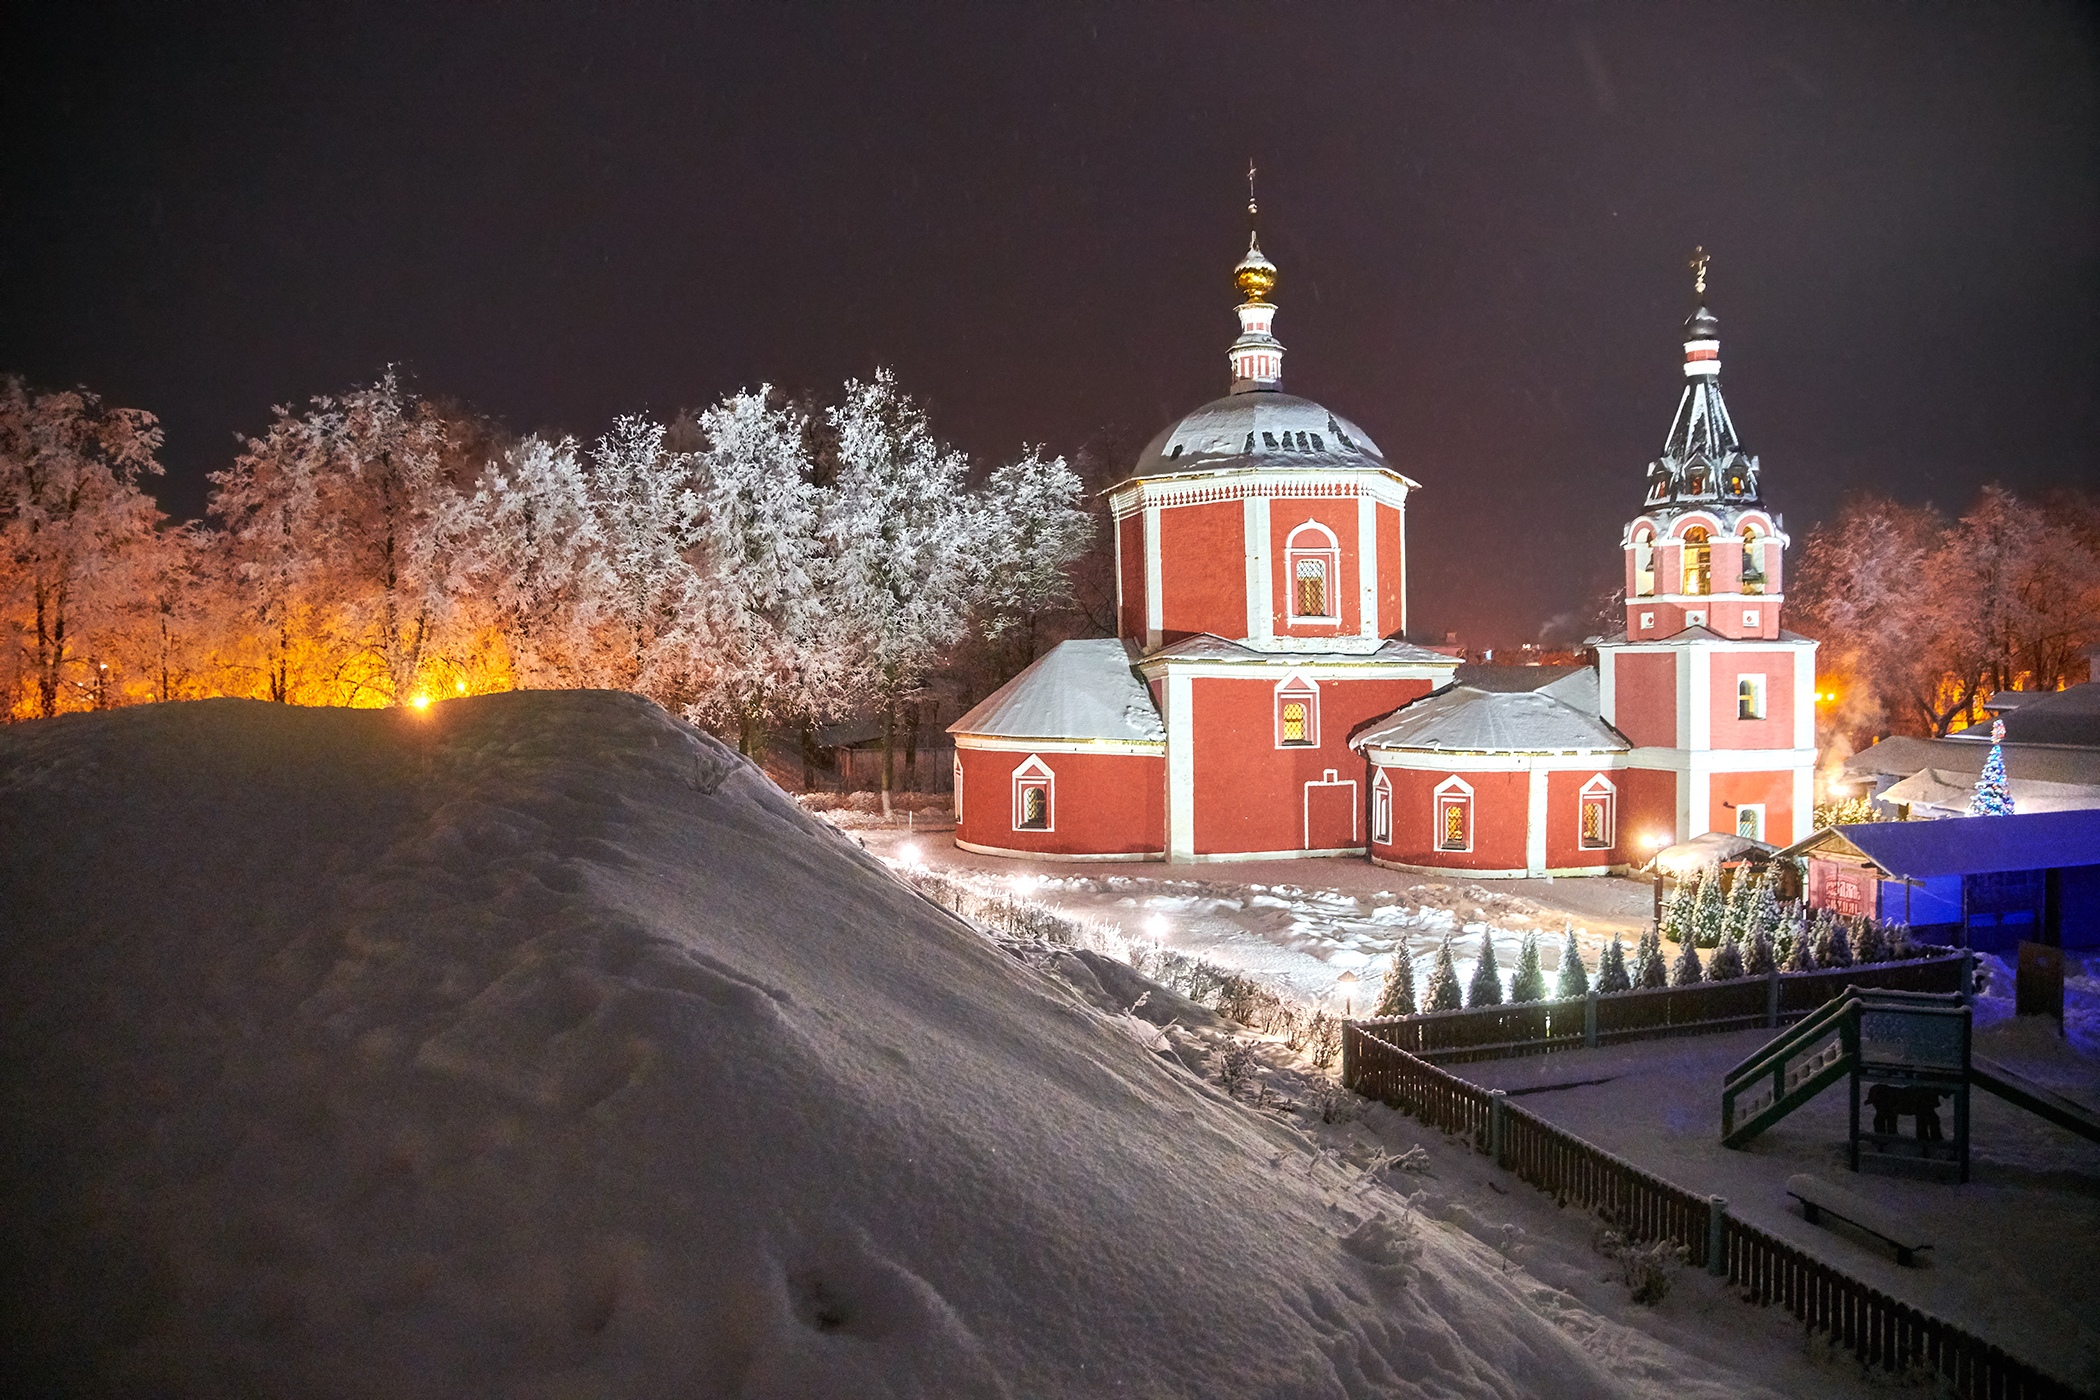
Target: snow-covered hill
x,y
535,1045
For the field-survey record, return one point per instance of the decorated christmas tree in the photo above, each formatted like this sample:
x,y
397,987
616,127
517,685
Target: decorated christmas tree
x,y
1574,977
1486,986
1444,991
1611,968
1727,963
1758,958
1993,797
1709,915
1686,971
1397,996
1529,983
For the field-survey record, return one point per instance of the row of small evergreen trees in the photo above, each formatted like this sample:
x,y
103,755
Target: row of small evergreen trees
x,y
1793,944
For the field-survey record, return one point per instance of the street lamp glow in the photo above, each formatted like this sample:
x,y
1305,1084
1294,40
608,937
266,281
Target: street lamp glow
x,y
909,853
421,702
1157,926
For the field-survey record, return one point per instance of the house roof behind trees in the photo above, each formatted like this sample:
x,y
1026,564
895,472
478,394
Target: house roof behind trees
x,y
1965,845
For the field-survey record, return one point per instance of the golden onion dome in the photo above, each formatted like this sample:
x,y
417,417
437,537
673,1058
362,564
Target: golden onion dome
x,y
1256,275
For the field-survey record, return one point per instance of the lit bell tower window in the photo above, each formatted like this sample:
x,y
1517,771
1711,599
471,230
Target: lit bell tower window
x,y
1698,561
1753,561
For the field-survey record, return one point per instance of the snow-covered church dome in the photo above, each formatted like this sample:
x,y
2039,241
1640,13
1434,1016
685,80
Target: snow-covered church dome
x,y
1258,428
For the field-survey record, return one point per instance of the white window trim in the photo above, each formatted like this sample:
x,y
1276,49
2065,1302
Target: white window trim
x,y
1756,809
1330,556
1596,787
1297,687
1033,772
1382,809
1450,790
1758,688
958,787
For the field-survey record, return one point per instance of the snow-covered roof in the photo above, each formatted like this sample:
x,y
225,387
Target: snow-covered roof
x,y
1263,429
1901,756
1467,720
1082,689
1573,685
1706,853
1950,792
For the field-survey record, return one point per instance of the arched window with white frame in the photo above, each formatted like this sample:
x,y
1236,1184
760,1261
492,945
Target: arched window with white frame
x,y
1035,796
1452,807
1312,572
1297,713
1597,814
1382,809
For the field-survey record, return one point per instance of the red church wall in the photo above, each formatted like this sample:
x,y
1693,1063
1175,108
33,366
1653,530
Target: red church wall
x,y
1338,514
1392,575
1501,811
1564,848
1644,697
1203,570
1776,729
1774,790
1647,809
1130,537
1249,794
1101,803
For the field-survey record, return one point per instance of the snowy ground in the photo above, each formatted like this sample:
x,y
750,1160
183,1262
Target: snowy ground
x,y
2013,1248
1297,925
534,1045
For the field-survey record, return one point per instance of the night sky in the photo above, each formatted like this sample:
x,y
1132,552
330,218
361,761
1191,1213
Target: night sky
x,y
1481,212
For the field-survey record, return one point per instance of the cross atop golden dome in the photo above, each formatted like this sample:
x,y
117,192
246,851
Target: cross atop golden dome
x,y
1256,275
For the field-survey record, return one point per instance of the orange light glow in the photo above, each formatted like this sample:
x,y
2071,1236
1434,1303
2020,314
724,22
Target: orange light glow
x,y
421,702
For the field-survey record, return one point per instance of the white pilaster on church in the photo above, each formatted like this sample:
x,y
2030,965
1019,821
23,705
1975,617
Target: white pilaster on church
x,y
1260,592
1181,765
1367,566
1155,605
1535,822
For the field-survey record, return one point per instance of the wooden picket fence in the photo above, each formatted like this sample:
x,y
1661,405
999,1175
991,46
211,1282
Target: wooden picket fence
x,y
1543,1027
1876,1328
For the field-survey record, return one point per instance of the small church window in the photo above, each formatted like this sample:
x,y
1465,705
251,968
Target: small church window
x,y
1176,452
1644,567
1382,809
1035,796
1750,697
1268,440
1297,714
1596,816
1753,561
1035,807
1698,561
1317,444
1454,815
1750,820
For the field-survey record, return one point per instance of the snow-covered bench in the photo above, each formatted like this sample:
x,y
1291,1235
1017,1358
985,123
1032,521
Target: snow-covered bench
x,y
1819,1198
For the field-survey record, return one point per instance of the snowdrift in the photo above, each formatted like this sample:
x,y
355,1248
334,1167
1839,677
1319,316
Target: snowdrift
x,y
537,1045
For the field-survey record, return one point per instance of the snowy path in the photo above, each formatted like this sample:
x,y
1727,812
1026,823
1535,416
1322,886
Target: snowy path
x,y
1298,925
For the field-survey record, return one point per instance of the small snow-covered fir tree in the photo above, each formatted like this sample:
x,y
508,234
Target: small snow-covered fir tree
x,y
1529,981
1834,945
1900,945
1444,992
1397,996
1650,968
1801,947
1765,915
1758,957
1611,968
1486,986
1873,941
1685,972
1677,909
1735,918
1574,977
1727,963
1993,796
1709,915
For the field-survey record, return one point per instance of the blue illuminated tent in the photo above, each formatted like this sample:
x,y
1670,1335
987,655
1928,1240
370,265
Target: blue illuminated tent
x,y
1986,882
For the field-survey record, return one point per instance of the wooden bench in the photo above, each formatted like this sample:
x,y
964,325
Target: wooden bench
x,y
1819,1198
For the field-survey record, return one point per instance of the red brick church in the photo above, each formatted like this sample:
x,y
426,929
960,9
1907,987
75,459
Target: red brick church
x,y
1261,700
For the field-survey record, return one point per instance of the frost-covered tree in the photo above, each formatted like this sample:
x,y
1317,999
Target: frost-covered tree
x,y
1397,996
1679,907
1735,916
1759,957
777,649
1612,975
76,537
1873,941
1486,986
654,637
1709,914
1031,526
1727,962
1800,955
1574,977
900,529
534,558
1764,916
1685,972
1528,983
1651,969
1444,992
1833,942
